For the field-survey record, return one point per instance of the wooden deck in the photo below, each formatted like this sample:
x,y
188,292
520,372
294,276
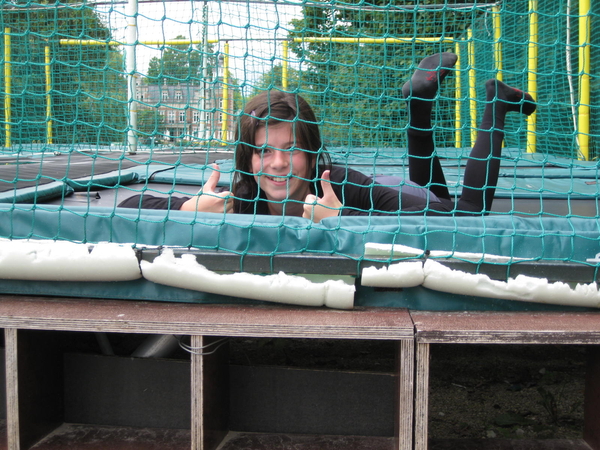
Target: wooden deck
x,y
36,370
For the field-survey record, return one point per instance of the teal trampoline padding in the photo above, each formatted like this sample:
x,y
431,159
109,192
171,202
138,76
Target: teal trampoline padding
x,y
41,193
105,180
548,238
420,298
194,174
450,156
123,290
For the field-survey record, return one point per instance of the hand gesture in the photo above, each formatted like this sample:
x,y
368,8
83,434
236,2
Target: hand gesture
x,y
316,208
207,200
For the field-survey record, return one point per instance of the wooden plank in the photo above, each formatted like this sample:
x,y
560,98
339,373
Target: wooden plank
x,y
507,327
421,408
12,389
591,406
210,392
196,319
405,396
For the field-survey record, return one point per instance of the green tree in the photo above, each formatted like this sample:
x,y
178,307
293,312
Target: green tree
x,y
274,79
356,87
149,123
181,64
88,88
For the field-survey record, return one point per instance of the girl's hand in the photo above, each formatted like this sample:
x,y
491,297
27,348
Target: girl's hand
x,y
329,205
207,200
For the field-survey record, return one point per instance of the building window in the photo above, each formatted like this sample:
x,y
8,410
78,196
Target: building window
x,y
178,95
171,116
182,116
196,116
165,95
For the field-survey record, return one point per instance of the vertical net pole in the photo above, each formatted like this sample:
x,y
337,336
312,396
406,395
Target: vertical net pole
x,y
225,94
130,61
458,96
7,88
498,60
532,66
48,74
472,89
584,79
203,124
284,65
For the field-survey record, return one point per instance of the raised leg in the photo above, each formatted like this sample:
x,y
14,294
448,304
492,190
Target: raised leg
x,y
483,166
421,92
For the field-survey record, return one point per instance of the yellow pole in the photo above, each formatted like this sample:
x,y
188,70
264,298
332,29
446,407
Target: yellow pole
x,y
225,115
48,96
284,65
303,39
7,88
458,96
532,66
151,42
416,40
583,113
472,89
498,41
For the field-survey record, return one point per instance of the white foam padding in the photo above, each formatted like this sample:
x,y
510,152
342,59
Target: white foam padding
x,y
438,277
44,260
401,275
185,272
522,288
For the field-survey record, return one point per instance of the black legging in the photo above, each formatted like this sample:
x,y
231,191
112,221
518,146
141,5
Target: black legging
x,y
483,165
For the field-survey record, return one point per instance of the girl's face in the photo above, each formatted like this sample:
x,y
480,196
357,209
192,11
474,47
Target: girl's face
x,y
280,168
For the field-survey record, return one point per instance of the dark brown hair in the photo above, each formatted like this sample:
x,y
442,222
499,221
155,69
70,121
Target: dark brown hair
x,y
267,108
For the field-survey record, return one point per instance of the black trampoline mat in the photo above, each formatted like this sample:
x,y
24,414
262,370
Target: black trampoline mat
x,y
28,171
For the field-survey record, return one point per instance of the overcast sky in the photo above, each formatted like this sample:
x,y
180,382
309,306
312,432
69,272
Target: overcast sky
x,y
258,24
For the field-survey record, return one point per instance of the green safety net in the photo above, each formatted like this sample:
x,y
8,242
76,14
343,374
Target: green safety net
x,y
123,98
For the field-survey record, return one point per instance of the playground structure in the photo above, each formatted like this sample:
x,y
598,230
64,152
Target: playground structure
x,y
69,93
491,46
86,84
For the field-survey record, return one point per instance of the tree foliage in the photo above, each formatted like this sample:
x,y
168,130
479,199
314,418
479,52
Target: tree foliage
x,y
273,79
88,89
181,64
356,87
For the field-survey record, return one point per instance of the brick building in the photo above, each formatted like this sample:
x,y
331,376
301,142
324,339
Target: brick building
x,y
189,113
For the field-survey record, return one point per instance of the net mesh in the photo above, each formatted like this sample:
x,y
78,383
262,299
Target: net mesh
x,y
101,98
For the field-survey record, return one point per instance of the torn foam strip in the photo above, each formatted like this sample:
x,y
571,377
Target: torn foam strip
x,y
522,288
401,275
43,260
187,273
436,276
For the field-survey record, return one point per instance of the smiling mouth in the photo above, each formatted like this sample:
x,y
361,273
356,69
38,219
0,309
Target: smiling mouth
x,y
278,179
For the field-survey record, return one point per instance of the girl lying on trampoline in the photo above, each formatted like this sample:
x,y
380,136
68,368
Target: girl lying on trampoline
x,y
281,166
